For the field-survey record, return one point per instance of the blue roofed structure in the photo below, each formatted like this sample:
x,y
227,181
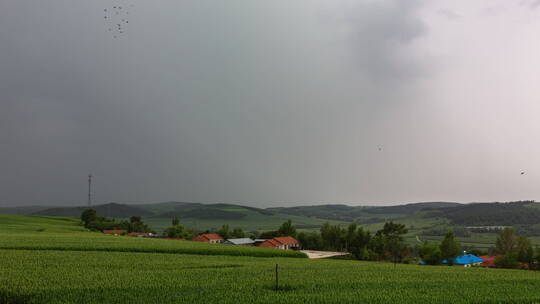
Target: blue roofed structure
x,y
466,259
463,260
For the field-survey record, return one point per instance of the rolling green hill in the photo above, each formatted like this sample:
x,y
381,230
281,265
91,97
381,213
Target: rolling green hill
x,y
494,214
25,224
353,213
194,215
213,216
110,210
429,220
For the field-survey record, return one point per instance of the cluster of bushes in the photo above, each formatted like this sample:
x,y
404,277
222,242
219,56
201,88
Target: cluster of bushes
x,y
179,231
93,221
515,251
386,244
434,254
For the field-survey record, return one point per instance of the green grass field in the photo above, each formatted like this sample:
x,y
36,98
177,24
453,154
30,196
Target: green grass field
x,y
65,264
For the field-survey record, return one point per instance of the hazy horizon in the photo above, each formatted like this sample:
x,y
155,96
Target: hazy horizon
x,y
254,204
374,102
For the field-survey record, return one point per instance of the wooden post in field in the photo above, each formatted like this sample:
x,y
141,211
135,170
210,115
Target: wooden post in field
x,y
277,282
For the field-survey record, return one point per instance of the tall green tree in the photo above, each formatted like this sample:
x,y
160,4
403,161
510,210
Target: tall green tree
x,y
506,241
524,250
175,221
287,229
333,237
238,233
176,231
430,253
350,236
450,248
377,246
88,216
135,219
358,245
225,231
310,240
393,240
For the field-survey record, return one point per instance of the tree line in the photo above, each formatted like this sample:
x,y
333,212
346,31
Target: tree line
x,y
91,220
386,244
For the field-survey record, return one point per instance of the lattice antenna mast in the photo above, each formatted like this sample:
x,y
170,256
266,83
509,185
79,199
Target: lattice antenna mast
x,y
89,190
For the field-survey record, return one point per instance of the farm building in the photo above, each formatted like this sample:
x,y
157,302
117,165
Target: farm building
x,y
281,242
140,234
466,260
115,231
489,261
213,238
241,241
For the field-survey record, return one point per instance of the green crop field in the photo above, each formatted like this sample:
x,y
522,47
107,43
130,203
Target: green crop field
x,y
29,224
35,237
36,276
53,260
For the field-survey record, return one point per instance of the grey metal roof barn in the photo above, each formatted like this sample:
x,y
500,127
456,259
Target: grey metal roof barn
x,y
242,241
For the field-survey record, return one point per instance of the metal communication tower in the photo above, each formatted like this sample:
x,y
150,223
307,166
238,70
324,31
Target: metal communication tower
x,y
89,190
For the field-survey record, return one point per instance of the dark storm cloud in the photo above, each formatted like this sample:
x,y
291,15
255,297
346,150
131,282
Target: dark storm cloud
x,y
240,101
380,34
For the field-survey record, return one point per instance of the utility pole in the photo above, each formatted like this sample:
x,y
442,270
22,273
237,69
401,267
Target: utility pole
x,y
89,190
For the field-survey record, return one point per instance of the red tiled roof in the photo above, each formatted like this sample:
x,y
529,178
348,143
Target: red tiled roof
x,y
207,237
279,241
286,240
489,261
114,231
270,244
213,236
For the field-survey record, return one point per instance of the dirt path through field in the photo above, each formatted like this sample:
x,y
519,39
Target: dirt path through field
x,y
312,254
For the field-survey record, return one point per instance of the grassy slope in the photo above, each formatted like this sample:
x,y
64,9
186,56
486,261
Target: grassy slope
x,y
253,221
159,215
29,224
25,232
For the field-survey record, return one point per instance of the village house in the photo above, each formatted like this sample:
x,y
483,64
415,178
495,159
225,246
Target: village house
x,y
213,238
115,231
489,261
281,242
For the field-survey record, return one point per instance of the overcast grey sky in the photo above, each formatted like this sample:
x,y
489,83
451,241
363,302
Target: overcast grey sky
x,y
270,103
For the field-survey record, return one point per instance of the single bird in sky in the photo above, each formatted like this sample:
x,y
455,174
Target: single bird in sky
x,y
522,172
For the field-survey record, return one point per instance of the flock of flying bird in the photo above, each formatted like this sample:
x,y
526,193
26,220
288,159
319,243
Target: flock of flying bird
x,y
116,19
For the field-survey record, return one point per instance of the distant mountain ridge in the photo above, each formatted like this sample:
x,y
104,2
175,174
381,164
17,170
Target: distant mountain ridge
x,y
111,210
473,214
340,212
351,213
493,214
